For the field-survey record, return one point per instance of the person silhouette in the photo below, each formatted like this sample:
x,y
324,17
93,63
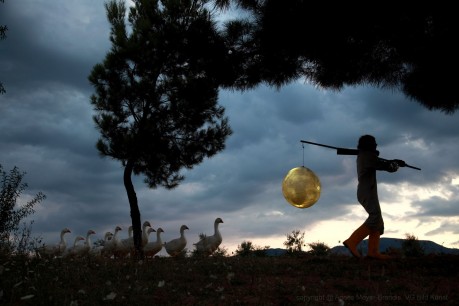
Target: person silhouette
x,y
368,163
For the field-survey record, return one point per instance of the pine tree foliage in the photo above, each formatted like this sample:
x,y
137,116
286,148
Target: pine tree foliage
x,y
332,45
156,92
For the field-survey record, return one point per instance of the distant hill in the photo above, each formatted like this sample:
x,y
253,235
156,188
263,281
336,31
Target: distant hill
x,y
429,247
275,252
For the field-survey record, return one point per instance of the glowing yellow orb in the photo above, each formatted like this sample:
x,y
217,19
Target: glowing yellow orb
x,y
301,187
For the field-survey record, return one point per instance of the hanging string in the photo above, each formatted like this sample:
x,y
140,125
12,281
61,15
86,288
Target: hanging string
x,y
303,152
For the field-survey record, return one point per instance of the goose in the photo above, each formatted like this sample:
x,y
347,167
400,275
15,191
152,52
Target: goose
x,y
175,246
127,245
88,242
208,244
73,251
144,233
152,248
98,249
84,249
111,246
55,250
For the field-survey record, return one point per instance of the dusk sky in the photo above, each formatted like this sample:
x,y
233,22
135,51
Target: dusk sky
x,y
47,131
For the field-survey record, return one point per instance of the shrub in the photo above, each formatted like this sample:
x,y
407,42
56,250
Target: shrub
x,y
220,252
411,246
295,242
14,238
319,249
247,248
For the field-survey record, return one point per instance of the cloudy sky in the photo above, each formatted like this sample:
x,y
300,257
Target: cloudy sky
x,y
46,130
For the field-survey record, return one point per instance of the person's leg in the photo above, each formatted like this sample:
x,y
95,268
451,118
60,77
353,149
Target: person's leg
x,y
356,237
373,246
376,224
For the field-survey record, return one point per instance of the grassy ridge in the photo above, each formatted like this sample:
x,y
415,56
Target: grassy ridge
x,y
230,281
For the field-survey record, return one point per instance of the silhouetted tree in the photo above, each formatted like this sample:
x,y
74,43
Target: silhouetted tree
x,y
411,247
295,241
156,93
12,212
319,249
412,48
245,248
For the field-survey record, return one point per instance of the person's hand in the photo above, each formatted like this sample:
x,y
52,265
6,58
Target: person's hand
x,y
393,166
400,162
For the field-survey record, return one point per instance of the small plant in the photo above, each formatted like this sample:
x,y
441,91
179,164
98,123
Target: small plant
x,y
411,247
295,242
220,252
247,248
319,249
15,239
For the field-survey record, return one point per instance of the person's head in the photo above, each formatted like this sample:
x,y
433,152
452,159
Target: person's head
x,y
367,143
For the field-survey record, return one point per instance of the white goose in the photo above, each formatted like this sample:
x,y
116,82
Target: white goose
x,y
153,247
83,249
73,251
98,249
130,229
145,233
208,244
175,246
127,245
111,246
88,242
54,250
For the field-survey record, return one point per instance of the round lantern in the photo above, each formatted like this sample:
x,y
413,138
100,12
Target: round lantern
x,y
301,187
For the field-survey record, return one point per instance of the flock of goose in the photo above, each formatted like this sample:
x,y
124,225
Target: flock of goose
x,y
118,248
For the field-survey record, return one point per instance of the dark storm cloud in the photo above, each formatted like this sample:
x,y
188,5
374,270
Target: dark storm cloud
x,y
438,206
46,129
49,42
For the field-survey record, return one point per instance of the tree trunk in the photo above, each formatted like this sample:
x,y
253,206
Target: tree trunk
x,y
135,212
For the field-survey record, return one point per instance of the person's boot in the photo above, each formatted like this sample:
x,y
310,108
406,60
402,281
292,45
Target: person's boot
x,y
358,235
373,246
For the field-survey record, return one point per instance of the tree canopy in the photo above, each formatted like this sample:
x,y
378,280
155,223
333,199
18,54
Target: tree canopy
x,y
156,92
411,47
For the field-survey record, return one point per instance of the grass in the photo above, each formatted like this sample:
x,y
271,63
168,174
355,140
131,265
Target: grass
x,y
286,280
